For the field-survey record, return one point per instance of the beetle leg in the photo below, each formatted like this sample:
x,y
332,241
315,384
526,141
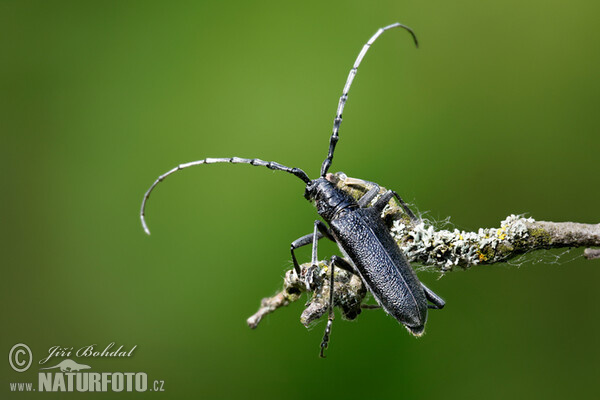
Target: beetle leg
x,y
321,230
370,306
324,230
366,199
387,196
315,259
345,265
302,241
406,209
325,342
383,200
437,302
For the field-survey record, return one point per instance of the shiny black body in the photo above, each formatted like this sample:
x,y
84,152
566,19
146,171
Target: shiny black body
x,y
367,243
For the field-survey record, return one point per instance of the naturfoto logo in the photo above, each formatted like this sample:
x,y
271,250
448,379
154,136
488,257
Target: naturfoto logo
x,y
58,372
69,366
70,379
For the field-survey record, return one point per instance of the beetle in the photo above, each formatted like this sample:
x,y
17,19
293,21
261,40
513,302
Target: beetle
x,y
359,231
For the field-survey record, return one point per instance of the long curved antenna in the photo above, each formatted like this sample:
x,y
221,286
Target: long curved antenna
x,y
338,118
233,160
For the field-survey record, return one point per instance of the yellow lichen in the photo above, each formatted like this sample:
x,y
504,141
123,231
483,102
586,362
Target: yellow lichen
x,y
501,233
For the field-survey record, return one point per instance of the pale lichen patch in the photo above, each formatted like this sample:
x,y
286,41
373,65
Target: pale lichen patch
x,y
445,249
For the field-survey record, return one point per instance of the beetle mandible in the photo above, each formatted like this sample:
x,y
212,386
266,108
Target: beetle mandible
x,y
359,231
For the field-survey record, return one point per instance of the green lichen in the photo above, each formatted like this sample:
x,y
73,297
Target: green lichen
x,y
487,253
541,238
504,250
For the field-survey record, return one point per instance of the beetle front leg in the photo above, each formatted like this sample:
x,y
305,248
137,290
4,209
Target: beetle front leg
x,y
320,231
302,241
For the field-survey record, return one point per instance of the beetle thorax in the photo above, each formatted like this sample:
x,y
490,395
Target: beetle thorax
x,y
327,198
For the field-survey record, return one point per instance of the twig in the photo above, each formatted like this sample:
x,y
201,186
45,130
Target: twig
x,y
591,254
425,245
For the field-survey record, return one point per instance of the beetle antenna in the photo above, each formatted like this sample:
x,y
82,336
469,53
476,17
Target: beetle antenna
x,y
338,118
233,160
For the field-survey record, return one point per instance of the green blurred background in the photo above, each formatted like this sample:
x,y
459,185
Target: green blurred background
x,y
496,113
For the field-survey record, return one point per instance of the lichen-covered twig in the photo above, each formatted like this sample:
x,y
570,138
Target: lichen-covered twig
x,y
424,244
591,254
348,295
292,289
516,235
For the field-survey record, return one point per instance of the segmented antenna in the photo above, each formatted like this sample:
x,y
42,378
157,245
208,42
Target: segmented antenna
x,y
338,118
233,160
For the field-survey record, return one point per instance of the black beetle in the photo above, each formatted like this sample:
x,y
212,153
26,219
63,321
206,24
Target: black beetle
x,y
369,249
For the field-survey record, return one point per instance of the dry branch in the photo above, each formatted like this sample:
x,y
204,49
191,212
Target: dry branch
x,y
423,244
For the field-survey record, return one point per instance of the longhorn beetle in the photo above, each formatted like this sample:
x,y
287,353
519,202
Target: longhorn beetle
x,y
369,249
